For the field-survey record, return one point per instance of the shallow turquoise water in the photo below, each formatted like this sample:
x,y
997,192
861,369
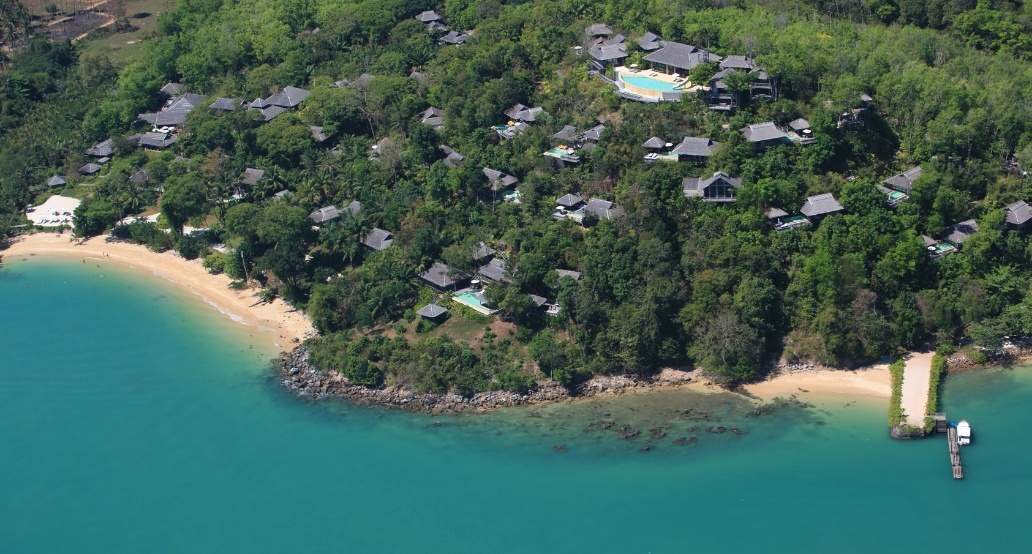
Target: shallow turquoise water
x,y
138,420
649,83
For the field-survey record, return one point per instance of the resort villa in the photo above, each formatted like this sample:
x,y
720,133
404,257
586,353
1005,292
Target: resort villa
x,y
764,135
1018,214
784,221
817,207
955,236
904,182
696,149
721,187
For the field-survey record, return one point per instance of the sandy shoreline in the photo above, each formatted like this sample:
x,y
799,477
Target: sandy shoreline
x,y
277,322
282,326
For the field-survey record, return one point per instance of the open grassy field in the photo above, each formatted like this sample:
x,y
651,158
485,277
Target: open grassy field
x,y
123,47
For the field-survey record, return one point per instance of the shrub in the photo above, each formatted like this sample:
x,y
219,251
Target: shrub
x,y
896,398
214,262
190,246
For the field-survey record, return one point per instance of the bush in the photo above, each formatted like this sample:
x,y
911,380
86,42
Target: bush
x,y
938,367
190,246
896,398
214,262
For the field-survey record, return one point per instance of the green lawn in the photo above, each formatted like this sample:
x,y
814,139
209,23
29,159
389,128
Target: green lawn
x,y
123,48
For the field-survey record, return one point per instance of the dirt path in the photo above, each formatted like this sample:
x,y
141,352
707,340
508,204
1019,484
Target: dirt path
x,y
917,375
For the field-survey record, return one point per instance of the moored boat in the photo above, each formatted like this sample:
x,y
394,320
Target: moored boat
x,y
963,432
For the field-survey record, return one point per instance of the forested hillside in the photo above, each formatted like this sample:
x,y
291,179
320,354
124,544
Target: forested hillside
x,y
668,279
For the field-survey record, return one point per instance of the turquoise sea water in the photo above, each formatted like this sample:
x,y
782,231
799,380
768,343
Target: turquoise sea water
x,y
139,420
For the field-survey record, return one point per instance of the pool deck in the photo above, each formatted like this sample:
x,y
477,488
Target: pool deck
x,y
681,85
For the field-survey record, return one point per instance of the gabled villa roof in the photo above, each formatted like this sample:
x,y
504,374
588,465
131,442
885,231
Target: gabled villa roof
x,y
822,204
1018,213
696,186
696,146
428,16
575,275
172,89
438,275
523,113
226,104
615,41
102,149
432,116
324,214
289,97
681,56
498,179
483,251
599,29
495,270
451,157
739,62
655,142
570,200
378,239
56,181
594,134
454,37
905,181
960,232
763,132
568,133
650,41
774,213
251,176
89,169
604,209
605,52
431,311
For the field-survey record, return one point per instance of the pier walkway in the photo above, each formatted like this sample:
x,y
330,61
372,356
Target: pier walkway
x,y
917,378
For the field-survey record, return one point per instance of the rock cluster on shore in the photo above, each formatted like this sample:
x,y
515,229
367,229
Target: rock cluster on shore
x,y
298,375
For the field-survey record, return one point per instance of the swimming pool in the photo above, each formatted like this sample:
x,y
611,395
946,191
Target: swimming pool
x,y
647,83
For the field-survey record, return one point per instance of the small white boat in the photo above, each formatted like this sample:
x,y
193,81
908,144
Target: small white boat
x,y
963,432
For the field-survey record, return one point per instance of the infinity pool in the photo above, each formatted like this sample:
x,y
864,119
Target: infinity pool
x,y
648,83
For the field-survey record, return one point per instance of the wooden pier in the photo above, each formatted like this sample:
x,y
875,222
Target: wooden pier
x,y
954,444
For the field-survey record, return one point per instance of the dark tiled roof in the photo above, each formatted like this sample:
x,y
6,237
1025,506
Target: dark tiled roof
x,y
454,37
226,104
822,204
538,300
495,271
681,56
156,140
960,232
1018,213
438,275
322,215
575,275
289,97
570,200
140,176
451,157
615,41
599,29
431,311
739,62
696,186
520,112
655,142
89,169
594,134
650,41
269,113
172,89
432,116
251,176
763,132
498,179
482,251
799,124
905,181
697,146
428,16
378,239
568,133
56,181
102,149
774,213
604,209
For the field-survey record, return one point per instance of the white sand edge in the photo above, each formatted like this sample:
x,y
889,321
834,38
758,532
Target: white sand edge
x,y
276,319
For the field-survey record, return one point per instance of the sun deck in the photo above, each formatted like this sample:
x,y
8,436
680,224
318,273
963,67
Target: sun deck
x,y
473,299
653,85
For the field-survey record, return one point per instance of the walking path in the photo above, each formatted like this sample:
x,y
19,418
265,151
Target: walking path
x,y
917,377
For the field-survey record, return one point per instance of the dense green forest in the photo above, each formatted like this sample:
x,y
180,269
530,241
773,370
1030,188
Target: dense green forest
x,y
672,281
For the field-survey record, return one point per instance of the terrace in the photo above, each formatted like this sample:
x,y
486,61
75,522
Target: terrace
x,y
652,86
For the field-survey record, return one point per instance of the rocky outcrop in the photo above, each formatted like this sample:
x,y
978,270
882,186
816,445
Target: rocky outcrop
x,y
296,373
905,432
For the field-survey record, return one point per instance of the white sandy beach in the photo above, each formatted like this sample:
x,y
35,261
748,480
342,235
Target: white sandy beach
x,y
276,319
872,381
